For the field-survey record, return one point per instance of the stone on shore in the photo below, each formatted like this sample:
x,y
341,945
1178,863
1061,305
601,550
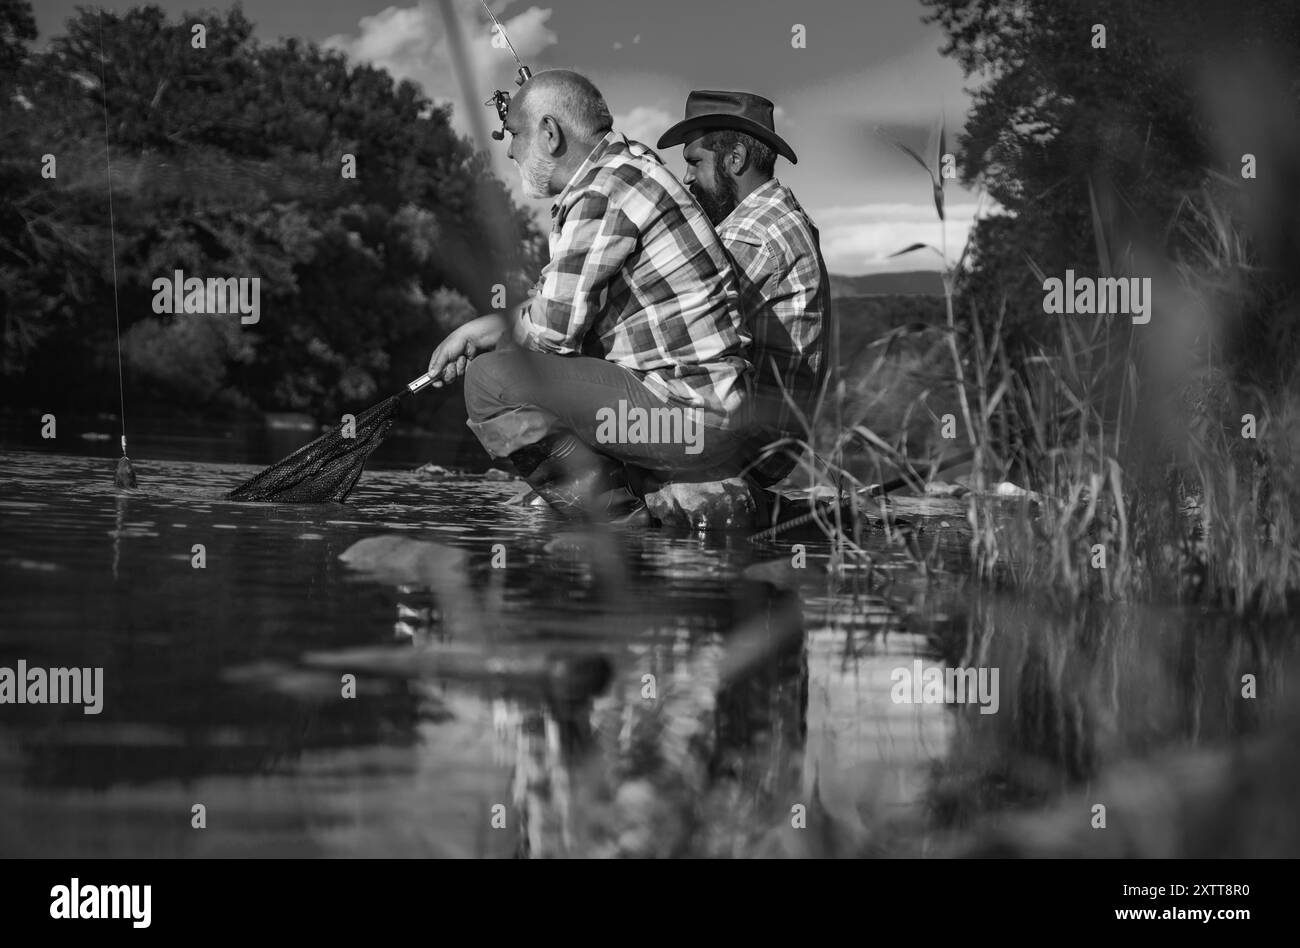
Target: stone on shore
x,y
945,489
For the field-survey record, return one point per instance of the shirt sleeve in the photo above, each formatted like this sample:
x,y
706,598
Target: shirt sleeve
x,y
591,249
758,265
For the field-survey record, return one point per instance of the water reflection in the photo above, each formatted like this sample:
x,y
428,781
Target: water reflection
x,y
609,693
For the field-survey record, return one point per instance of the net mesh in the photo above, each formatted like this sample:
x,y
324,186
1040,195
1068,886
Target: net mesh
x,y
326,469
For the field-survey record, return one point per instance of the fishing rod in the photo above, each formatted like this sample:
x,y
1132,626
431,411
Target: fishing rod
x,y
124,476
501,99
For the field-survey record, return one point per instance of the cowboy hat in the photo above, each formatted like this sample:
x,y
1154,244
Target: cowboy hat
x,y
741,111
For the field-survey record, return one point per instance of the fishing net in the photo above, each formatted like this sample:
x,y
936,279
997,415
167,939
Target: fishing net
x,y
328,468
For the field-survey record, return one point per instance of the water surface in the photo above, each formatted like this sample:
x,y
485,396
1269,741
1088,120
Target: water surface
x,y
501,697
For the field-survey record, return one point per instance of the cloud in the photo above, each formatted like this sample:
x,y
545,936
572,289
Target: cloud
x,y
644,124
411,43
859,238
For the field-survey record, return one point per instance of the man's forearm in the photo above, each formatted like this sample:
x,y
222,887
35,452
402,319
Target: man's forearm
x,y
516,333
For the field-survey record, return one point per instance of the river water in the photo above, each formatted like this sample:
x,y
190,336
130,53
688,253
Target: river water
x,y
489,682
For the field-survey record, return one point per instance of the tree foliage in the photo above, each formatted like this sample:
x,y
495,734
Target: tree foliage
x,y
227,162
1060,126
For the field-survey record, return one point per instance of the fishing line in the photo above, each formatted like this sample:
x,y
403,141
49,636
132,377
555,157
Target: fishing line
x,y
112,236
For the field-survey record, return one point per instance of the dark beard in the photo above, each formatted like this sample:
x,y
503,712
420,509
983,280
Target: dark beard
x,y
718,204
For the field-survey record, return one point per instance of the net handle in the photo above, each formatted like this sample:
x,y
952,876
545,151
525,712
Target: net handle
x,y
424,381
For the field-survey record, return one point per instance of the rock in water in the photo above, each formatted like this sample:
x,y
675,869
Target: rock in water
x,y
125,476
398,560
709,505
433,471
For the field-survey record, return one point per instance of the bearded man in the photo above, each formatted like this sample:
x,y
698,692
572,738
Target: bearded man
x,y
731,151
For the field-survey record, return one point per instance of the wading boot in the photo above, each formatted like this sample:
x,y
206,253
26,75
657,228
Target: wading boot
x,y
578,482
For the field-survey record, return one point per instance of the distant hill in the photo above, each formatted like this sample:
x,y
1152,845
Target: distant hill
x,y
864,319
903,283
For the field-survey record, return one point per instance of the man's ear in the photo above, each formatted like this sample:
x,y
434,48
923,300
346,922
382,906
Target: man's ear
x,y
738,159
552,135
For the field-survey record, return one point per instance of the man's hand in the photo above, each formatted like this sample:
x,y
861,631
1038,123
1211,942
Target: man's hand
x,y
463,343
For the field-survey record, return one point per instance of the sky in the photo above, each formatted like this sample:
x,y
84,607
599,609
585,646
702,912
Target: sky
x,y
867,68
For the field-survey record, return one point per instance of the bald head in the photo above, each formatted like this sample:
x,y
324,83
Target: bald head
x,y
570,99
555,120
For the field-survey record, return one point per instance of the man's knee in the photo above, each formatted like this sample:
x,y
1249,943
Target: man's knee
x,y
486,384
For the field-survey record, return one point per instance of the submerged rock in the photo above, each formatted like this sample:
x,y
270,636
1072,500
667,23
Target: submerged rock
x,y
433,471
706,505
396,560
402,562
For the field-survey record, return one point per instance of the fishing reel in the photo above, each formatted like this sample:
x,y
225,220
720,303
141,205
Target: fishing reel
x,y
502,101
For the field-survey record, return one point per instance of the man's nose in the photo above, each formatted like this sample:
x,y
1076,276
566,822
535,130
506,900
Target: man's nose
x,y
690,177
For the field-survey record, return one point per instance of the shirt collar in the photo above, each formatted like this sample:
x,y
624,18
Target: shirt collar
x,y
592,158
765,192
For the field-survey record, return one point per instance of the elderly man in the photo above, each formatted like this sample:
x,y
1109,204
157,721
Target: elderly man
x,y
630,352
731,150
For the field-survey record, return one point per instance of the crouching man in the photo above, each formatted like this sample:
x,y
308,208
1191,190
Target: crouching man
x,y
731,151
636,316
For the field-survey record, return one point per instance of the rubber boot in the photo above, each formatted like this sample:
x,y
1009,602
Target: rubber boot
x,y
576,481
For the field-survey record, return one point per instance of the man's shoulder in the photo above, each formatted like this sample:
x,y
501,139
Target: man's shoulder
x,y
750,229
623,167
632,181
777,223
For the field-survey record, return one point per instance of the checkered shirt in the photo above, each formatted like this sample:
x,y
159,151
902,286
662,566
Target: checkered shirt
x,y
785,295
638,276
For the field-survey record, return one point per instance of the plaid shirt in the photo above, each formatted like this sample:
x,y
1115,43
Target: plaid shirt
x,y
637,276
785,294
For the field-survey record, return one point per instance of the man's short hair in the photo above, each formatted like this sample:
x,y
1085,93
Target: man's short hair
x,y
572,99
761,155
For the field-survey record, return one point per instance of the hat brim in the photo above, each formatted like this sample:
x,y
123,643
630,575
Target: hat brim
x,y
689,129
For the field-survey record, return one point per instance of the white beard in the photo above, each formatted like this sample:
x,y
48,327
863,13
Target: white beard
x,y
535,173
